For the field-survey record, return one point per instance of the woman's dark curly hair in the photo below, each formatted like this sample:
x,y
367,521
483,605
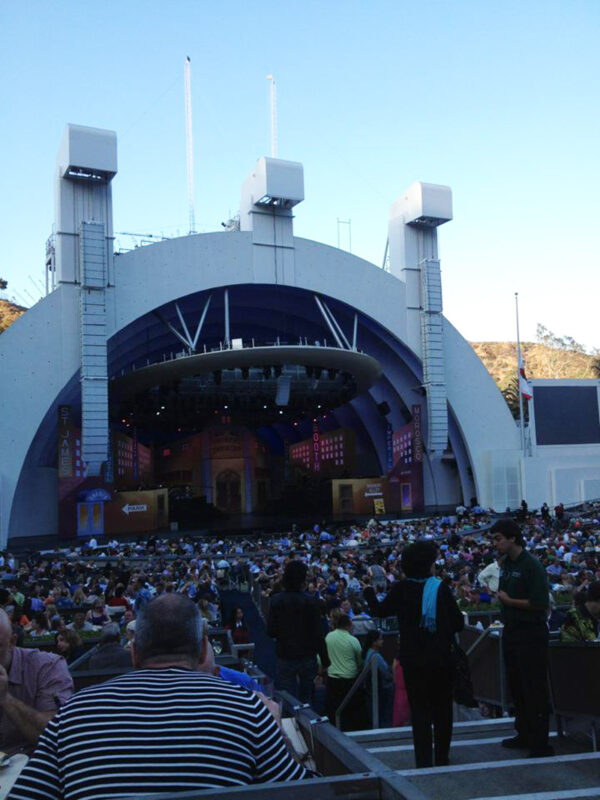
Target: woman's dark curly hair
x,y
417,559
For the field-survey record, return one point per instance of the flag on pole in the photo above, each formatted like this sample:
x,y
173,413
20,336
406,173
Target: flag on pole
x,y
524,385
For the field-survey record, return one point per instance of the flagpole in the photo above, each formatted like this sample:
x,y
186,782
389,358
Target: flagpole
x,y
519,361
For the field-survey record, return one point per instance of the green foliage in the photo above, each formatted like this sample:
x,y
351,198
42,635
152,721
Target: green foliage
x,y
510,392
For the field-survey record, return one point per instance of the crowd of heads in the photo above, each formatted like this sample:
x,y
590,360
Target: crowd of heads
x,y
73,592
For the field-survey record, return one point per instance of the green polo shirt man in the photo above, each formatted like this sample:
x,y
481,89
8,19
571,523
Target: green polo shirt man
x,y
523,593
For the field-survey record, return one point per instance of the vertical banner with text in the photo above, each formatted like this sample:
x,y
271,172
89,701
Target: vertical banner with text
x,y
316,447
389,446
66,443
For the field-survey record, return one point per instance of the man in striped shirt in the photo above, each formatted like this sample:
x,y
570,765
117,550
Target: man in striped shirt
x,y
165,727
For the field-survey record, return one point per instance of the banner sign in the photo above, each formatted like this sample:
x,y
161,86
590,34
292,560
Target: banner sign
x,y
316,449
389,446
379,505
417,433
66,443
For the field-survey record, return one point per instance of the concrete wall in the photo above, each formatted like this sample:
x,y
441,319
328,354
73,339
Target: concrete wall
x,y
562,473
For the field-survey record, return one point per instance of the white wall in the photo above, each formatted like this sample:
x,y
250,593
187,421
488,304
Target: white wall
x,y
562,473
39,354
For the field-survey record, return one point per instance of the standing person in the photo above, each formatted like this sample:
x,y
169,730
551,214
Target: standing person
x,y
240,633
295,623
428,618
372,649
165,727
345,655
524,596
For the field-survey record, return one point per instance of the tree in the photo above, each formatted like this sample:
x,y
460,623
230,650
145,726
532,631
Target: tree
x,y
550,339
510,392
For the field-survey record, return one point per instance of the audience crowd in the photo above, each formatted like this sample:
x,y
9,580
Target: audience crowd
x,y
97,591
76,591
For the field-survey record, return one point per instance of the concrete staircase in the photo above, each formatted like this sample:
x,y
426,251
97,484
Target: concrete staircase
x,y
481,769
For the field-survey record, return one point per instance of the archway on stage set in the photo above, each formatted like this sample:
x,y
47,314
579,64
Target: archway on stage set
x,y
229,496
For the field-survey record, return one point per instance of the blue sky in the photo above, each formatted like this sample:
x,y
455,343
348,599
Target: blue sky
x,y
498,100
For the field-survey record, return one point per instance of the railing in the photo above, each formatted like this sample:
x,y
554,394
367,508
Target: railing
x,y
302,342
369,669
486,659
337,754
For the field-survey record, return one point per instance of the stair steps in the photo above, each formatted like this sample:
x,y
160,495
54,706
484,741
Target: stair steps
x,y
481,769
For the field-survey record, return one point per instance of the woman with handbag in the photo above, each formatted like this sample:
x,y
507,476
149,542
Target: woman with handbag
x,y
428,619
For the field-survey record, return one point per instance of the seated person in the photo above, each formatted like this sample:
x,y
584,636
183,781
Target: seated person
x,y
97,615
582,623
80,623
110,653
178,728
68,645
33,686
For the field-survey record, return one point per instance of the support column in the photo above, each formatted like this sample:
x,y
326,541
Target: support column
x,y
413,253
86,164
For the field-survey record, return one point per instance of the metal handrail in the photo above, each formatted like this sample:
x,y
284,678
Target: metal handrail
x,y
479,639
83,658
482,636
369,667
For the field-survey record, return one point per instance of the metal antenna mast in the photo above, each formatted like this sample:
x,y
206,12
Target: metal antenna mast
x,y
189,142
273,116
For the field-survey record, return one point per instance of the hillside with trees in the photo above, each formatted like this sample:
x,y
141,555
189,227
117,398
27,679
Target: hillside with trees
x,y
550,357
9,312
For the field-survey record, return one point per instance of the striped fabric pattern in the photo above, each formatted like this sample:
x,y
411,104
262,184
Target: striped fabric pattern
x,y
168,730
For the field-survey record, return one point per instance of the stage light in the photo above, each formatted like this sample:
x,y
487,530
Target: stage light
x,y
331,373
245,373
217,376
318,372
266,373
277,369
309,372
226,407
319,406
280,411
264,406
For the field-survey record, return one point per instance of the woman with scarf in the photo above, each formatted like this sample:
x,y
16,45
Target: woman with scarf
x,y
428,618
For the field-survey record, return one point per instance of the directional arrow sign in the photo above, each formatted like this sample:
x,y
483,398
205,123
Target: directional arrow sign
x,y
129,509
